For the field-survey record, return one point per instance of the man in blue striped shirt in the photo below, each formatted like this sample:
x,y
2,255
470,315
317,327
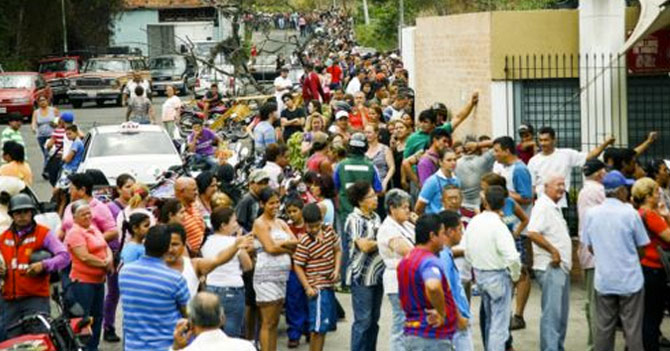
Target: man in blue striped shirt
x,y
153,296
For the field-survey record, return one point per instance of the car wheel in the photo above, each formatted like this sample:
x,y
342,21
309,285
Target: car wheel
x,y
100,103
119,101
77,103
184,90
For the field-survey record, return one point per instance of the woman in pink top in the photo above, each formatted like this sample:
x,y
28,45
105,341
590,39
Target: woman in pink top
x,y
91,260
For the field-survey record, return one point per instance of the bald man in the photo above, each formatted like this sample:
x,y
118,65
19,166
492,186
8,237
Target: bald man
x,y
186,191
552,261
205,318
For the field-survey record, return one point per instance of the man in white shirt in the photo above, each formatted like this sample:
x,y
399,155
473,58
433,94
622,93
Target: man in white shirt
x,y
356,83
552,261
282,86
553,160
489,247
129,90
205,320
591,195
276,156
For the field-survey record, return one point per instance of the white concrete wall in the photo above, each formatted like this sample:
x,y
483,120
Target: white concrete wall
x,y
407,54
604,106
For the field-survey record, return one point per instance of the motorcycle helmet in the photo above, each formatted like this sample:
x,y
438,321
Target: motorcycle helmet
x,y
21,202
358,143
39,256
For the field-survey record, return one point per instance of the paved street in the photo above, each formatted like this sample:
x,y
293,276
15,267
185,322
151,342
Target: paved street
x,y
527,339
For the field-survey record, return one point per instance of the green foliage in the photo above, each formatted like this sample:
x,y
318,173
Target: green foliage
x,y
382,33
32,29
295,157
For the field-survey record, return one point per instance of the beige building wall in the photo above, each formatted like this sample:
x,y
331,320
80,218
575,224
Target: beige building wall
x,y
457,54
452,60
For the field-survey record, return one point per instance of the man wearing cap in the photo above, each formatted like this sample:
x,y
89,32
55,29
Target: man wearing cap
x,y
13,131
552,261
613,231
341,126
591,195
26,282
356,167
420,139
397,108
527,147
282,85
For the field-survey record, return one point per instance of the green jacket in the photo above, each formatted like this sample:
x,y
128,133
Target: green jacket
x,y
352,169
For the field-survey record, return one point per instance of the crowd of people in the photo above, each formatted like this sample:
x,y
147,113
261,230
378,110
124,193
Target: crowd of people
x,y
381,209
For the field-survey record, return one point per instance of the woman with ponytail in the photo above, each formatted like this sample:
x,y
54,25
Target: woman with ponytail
x,y
137,225
136,204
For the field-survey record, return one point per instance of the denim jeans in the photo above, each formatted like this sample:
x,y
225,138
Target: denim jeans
x,y
367,302
397,324
495,287
91,298
111,301
210,160
344,239
41,141
463,340
415,343
232,301
555,285
3,336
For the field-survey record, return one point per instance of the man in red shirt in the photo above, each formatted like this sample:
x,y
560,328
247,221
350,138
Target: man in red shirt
x,y
311,85
335,74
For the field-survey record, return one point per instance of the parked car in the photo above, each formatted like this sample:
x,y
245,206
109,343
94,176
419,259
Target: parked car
x,y
104,78
145,151
56,71
19,92
176,70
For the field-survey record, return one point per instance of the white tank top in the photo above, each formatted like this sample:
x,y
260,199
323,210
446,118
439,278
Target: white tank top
x,y
192,281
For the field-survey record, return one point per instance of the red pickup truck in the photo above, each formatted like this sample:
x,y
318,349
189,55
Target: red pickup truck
x,y
56,71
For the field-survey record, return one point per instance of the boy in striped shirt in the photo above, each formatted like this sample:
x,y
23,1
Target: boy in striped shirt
x,y
315,259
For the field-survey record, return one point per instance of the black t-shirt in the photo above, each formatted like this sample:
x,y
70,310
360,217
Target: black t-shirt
x,y
247,211
292,115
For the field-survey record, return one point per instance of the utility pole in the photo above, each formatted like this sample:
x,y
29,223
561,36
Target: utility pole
x,y
62,9
366,13
401,23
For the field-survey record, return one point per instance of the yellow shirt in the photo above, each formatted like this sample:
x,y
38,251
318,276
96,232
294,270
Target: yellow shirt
x,y
18,170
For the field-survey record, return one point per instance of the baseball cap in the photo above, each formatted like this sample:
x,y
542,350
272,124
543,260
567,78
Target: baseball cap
x,y
258,176
592,166
342,114
525,128
67,117
319,138
615,179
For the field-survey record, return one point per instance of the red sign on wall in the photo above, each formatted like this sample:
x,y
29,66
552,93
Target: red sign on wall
x,y
651,54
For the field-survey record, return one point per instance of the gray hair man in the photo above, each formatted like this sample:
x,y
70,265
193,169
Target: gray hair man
x,y
205,318
552,261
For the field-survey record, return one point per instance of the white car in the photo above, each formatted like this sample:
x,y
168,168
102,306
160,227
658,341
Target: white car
x,y
144,151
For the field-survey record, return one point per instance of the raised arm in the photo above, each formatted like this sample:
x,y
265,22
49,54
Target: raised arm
x,y
599,150
640,149
465,112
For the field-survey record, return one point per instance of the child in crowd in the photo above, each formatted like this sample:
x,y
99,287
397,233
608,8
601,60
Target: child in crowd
x,y
296,300
315,261
137,225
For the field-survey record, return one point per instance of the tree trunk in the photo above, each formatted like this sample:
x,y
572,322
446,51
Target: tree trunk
x,y
19,28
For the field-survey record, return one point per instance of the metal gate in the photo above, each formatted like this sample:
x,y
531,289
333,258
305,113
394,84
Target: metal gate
x,y
160,39
545,91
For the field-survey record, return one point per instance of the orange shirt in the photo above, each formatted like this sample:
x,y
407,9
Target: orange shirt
x,y
655,225
95,244
194,226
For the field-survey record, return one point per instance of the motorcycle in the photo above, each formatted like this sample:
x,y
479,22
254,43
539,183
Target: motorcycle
x,y
67,332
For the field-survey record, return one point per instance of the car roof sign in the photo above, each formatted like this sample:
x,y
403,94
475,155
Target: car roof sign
x,y
129,127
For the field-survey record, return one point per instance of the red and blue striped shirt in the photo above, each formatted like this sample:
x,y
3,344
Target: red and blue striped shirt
x,y
413,270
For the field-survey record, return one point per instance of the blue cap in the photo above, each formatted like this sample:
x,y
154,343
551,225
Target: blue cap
x,y
615,179
67,117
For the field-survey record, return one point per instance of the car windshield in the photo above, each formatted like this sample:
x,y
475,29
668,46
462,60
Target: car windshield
x,y
58,66
166,63
107,66
16,82
121,144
